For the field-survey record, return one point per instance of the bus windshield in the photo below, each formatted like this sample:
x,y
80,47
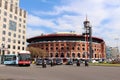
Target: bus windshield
x,y
9,57
24,57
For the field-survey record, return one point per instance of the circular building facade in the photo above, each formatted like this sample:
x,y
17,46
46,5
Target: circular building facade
x,y
68,45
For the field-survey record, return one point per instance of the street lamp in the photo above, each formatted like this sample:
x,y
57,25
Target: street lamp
x,y
117,46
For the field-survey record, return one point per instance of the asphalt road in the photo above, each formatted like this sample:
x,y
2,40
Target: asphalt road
x,y
64,72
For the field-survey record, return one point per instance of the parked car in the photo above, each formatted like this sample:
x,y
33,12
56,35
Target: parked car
x,y
48,61
69,62
38,61
59,61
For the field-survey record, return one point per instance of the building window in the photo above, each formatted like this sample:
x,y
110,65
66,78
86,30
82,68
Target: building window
x,y
78,44
19,36
62,44
15,17
16,10
95,55
0,3
62,55
19,30
83,55
9,40
51,48
11,1
68,55
11,7
12,25
5,13
24,26
57,44
78,48
16,4
23,43
56,48
56,55
13,47
14,41
23,48
3,38
8,46
5,20
10,15
51,55
6,5
14,35
18,42
9,33
83,49
23,37
24,14
19,25
23,32
24,21
20,19
18,47
20,13
78,55
46,48
73,54
4,33
62,48
4,25
67,48
51,44
73,48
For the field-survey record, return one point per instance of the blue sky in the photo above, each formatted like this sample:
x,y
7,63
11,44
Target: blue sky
x,y
50,16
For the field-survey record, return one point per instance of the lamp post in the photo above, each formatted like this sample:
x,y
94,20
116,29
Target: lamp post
x,y
117,46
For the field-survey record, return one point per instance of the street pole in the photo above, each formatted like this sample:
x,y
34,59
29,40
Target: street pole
x,y
90,43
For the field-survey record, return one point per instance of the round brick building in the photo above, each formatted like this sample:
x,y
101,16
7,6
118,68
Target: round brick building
x,y
68,45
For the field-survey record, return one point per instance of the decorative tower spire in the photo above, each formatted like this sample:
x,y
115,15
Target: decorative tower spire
x,y
86,22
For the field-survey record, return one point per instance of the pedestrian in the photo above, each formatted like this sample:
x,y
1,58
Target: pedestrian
x,y
78,63
43,63
86,63
51,63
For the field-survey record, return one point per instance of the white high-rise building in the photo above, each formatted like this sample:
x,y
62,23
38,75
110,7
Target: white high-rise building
x,y
12,27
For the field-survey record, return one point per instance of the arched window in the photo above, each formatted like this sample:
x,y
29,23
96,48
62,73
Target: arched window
x,y
78,55
51,55
56,55
73,54
62,54
95,55
68,55
83,55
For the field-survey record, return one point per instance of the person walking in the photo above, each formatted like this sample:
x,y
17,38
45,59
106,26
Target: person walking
x,y
43,63
78,62
86,63
51,63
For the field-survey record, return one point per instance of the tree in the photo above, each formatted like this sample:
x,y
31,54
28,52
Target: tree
x,y
37,52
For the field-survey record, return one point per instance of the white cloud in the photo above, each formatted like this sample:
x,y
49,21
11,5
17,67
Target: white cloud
x,y
37,21
103,15
32,33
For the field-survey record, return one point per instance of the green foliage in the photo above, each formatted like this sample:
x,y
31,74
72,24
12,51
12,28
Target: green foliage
x,y
37,52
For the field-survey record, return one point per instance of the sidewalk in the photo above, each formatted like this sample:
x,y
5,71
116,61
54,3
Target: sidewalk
x,y
1,65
